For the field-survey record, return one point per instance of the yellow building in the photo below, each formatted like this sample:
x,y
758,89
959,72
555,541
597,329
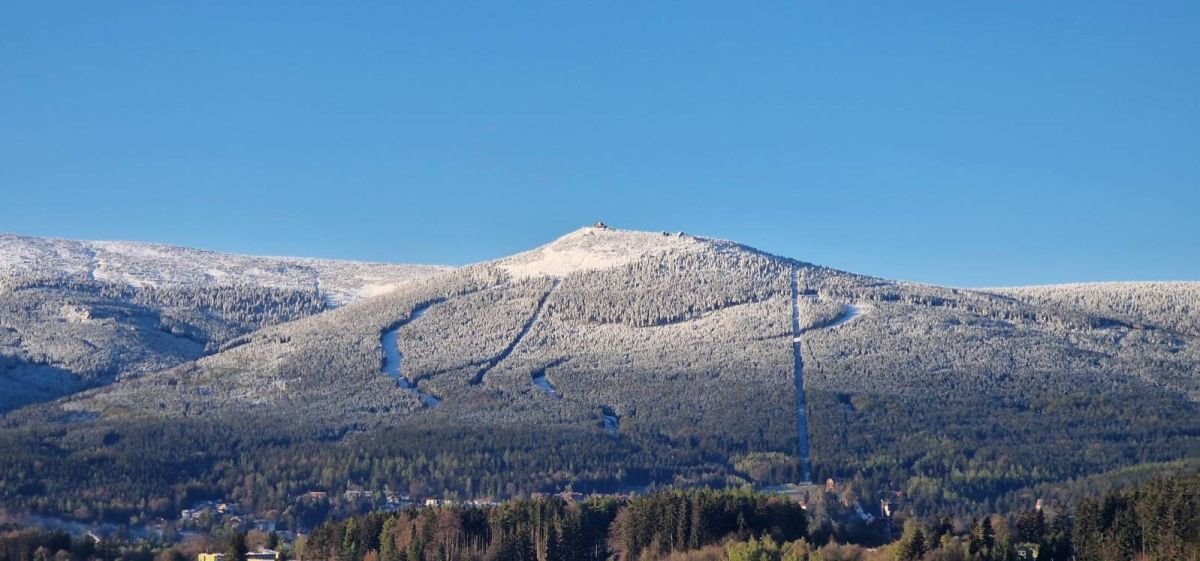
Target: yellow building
x,y
260,555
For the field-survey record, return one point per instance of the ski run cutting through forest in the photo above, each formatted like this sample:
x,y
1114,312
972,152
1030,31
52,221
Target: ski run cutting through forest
x,y
611,422
798,365
392,357
533,319
542,383
852,311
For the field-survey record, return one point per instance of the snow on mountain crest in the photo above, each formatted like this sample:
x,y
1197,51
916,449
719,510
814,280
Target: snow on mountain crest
x,y
157,265
602,247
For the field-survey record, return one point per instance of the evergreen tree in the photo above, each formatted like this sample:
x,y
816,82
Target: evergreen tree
x,y
974,537
235,549
911,545
987,536
1031,526
387,542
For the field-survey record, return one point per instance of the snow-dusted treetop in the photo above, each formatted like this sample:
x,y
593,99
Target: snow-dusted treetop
x,y
157,265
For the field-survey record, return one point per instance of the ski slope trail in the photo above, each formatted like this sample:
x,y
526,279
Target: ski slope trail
x,y
611,424
610,421
512,345
851,312
392,357
542,383
798,366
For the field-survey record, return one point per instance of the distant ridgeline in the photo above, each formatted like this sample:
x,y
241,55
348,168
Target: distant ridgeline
x,y
605,361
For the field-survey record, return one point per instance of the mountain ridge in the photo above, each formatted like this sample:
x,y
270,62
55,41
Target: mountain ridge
x,y
10,267
148,264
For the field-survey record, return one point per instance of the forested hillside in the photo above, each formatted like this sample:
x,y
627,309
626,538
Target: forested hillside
x,y
969,397
75,315
59,336
611,360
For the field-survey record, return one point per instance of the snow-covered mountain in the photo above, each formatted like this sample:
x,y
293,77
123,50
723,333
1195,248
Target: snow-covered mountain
x,y
672,357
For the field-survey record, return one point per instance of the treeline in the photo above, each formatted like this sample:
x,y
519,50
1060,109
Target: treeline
x,y
1158,520
556,530
36,545
519,530
683,520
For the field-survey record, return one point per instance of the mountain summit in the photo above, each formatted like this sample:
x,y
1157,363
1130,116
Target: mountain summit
x,y
600,247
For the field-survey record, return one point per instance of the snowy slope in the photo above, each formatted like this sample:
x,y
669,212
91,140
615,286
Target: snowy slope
x,y
1168,305
75,314
147,264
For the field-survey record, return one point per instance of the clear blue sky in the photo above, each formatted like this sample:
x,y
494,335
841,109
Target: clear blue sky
x,y
964,143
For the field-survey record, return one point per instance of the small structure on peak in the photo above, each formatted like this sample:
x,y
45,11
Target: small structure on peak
x,y
600,226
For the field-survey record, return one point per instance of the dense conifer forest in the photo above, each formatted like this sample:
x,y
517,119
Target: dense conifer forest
x,y
1156,520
